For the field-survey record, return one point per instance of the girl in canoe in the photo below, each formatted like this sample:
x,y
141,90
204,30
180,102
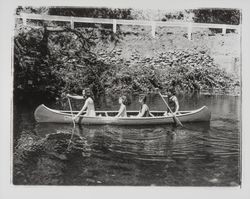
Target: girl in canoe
x,y
144,110
88,105
122,111
172,102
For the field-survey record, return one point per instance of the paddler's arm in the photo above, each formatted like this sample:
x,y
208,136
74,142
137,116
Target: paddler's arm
x,y
75,96
81,111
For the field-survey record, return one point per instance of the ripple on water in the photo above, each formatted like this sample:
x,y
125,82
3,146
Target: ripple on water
x,y
199,154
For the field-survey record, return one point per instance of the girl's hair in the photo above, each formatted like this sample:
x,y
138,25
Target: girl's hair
x,y
172,90
124,99
88,92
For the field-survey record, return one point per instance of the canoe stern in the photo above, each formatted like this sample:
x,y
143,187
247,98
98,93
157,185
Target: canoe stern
x,y
45,114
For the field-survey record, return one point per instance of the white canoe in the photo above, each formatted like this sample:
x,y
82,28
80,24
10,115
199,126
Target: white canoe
x,y
45,114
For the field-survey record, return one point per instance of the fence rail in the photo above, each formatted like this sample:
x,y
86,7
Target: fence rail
x,y
115,22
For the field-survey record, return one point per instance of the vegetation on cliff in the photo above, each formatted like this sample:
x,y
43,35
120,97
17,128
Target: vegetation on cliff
x,y
49,62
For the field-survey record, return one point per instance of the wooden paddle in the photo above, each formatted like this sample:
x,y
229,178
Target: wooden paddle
x,y
71,112
73,123
177,121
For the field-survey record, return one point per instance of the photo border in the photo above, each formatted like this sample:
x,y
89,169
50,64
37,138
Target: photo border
x,y
8,190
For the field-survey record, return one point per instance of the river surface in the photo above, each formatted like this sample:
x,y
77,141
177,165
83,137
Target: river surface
x,y
198,154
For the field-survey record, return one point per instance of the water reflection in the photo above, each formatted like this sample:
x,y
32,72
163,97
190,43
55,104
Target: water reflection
x,y
163,150
162,143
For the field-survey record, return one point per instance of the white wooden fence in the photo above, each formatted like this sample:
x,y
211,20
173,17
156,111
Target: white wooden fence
x,y
115,22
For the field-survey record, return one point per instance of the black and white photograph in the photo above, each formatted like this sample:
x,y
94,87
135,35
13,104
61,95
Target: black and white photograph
x,y
126,96
110,96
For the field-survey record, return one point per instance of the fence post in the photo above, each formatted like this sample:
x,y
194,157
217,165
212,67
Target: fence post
x,y
224,30
114,25
235,69
72,22
153,29
24,18
190,31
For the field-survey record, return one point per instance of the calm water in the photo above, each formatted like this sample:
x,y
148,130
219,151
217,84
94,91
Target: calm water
x,y
199,154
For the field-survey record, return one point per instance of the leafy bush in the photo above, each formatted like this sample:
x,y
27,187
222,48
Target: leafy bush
x,y
218,16
33,76
50,63
186,70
